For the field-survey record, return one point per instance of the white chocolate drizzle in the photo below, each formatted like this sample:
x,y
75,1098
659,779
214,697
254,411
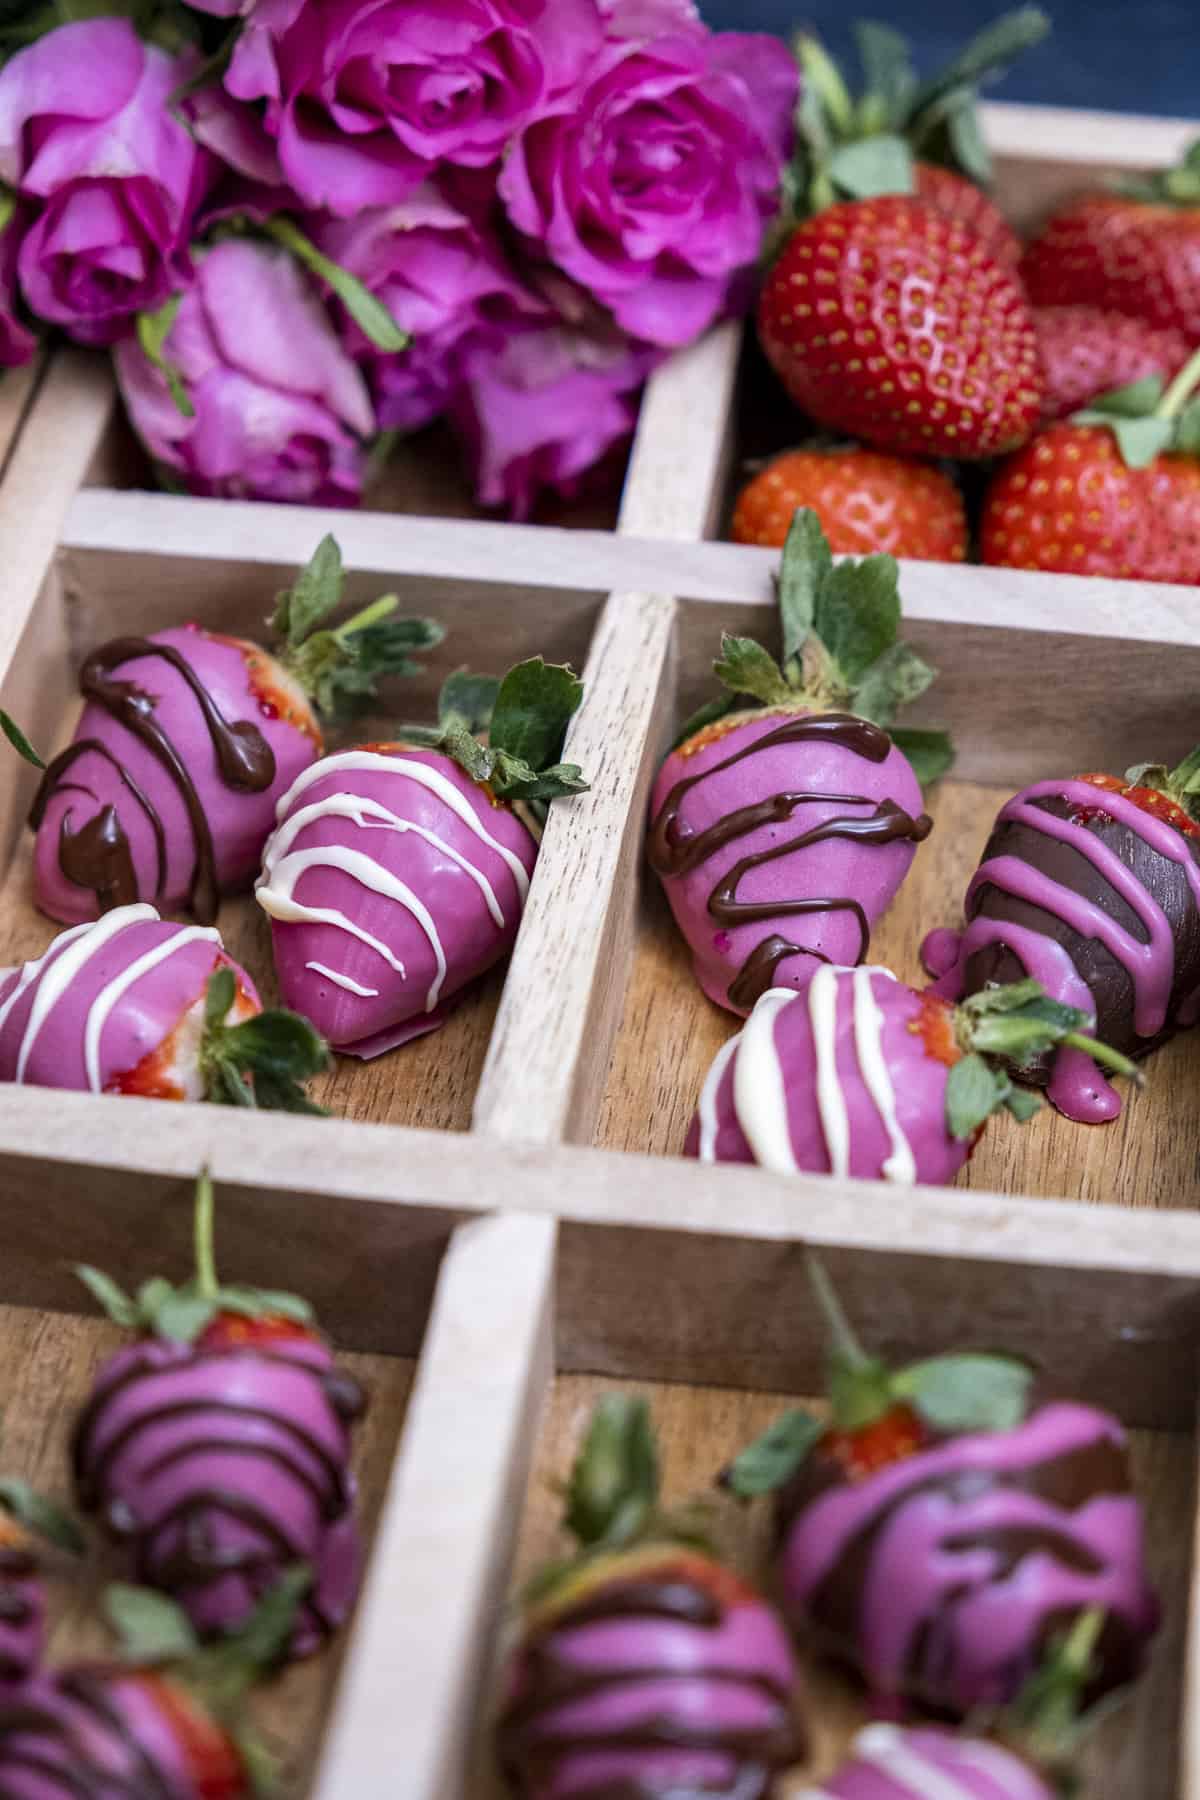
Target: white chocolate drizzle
x,y
107,998
283,867
75,950
759,1093
831,1101
901,1165
888,1749
343,981
709,1122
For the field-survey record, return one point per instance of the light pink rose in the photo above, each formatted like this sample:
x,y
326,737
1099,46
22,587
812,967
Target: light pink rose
x,y
651,186
281,412
545,410
443,277
87,131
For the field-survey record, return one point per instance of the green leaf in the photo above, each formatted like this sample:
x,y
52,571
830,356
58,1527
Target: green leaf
x,y
1010,997
183,1315
774,1458
315,594
1184,778
467,700
614,1484
41,1515
1022,1104
368,312
860,1390
887,67
805,567
967,144
153,330
512,779
708,714
262,1640
744,667
121,1309
1187,430
988,54
220,996
968,1392
152,1628
257,1303
894,680
1139,440
873,166
534,705
467,751
974,1091
930,753
1135,400
151,1295
858,613
19,741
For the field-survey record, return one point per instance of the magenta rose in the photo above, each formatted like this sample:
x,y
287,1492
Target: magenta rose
x,y
86,129
444,279
280,412
367,96
653,184
545,410
17,342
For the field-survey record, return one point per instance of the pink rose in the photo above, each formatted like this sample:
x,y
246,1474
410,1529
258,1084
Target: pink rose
x,y
86,129
17,342
368,95
281,412
443,278
653,184
543,411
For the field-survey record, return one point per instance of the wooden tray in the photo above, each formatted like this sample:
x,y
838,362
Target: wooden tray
x,y
504,1200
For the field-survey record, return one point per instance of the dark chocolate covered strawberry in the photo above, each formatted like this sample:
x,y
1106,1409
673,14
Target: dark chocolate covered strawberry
x,y
166,1724
1092,886
398,873
131,1004
645,1667
217,1446
787,815
937,1530
167,791
864,1076
28,1523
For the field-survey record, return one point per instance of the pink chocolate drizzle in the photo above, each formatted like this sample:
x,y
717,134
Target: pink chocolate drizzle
x,y
1077,1088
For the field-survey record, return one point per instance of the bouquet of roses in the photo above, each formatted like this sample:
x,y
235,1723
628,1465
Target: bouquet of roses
x,y
302,225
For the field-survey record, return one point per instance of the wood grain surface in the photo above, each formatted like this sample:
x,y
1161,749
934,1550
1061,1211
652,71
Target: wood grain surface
x,y
670,1033
700,1429
48,1361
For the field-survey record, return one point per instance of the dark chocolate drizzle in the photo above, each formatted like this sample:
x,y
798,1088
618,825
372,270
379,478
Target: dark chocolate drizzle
x,y
79,1775
528,1754
674,851
100,859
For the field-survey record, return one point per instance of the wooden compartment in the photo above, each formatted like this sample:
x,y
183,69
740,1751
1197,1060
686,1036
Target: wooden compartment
x,y
503,1201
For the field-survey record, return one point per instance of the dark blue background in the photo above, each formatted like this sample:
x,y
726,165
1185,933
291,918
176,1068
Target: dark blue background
x,y
1122,55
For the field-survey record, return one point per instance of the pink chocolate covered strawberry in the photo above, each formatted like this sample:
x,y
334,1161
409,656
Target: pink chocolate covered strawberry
x,y
167,790
217,1446
864,1076
135,1005
937,1530
645,1667
398,872
27,1524
787,815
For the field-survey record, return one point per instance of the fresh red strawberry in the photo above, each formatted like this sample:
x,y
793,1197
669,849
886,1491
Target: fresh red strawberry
x,y
1135,252
898,1433
1087,351
1153,800
959,198
887,320
242,1331
866,501
214,1762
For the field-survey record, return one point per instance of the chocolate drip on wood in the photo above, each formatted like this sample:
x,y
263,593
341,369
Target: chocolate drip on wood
x,y
675,852
92,864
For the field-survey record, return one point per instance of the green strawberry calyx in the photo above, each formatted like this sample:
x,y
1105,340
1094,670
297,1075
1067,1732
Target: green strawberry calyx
x,y
1047,1722
1012,1027
951,1395
1180,784
181,1313
613,1496
509,732
262,1062
855,148
1178,186
1148,418
40,1516
841,650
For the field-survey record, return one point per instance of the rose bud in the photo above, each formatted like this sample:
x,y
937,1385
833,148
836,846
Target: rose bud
x,y
1092,886
644,1664
27,1524
937,1527
167,791
864,1076
241,389
810,738
87,130
167,1722
398,872
217,1447
134,1005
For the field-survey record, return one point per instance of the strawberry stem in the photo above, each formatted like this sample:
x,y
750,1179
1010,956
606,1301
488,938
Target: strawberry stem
x,y
203,1238
370,615
1106,1056
845,1344
1180,390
